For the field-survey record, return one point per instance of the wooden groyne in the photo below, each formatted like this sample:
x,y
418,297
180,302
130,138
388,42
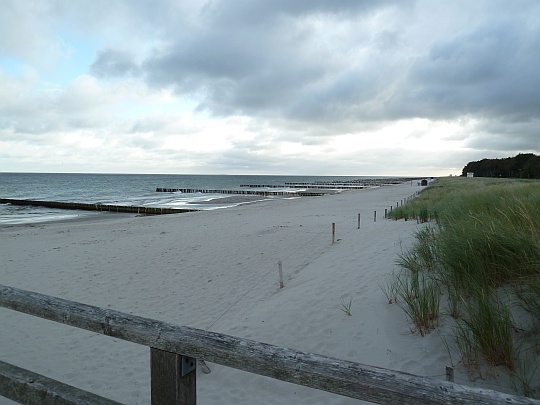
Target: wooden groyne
x,y
335,185
310,189
310,186
96,207
358,182
241,192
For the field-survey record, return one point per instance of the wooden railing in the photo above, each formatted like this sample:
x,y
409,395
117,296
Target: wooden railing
x,y
173,350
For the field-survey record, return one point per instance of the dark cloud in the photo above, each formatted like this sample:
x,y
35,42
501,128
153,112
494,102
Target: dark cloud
x,y
114,63
257,12
507,137
489,71
274,60
271,59
291,72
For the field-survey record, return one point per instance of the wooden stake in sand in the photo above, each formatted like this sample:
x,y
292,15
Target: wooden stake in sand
x,y
333,232
449,374
280,269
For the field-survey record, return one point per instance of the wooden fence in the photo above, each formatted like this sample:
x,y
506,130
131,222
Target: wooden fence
x,y
174,350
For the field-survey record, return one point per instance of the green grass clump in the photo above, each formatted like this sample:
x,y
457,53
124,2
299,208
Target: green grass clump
x,y
483,239
485,330
419,296
528,290
346,306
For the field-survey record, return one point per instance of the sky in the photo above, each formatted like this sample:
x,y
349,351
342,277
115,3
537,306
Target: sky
x,y
297,87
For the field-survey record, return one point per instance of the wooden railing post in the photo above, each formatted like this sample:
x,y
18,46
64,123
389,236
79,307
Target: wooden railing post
x,y
173,378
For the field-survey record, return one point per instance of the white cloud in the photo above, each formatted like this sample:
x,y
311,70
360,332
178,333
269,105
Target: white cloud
x,y
307,86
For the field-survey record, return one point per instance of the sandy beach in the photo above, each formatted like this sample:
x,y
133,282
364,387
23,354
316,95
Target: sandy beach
x,y
217,270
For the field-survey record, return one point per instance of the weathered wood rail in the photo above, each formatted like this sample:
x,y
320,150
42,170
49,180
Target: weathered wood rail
x,y
31,388
240,192
96,207
173,350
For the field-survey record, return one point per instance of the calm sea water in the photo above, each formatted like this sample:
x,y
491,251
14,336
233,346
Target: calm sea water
x,y
124,189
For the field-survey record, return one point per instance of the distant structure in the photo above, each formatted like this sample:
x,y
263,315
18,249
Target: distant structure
x,y
470,174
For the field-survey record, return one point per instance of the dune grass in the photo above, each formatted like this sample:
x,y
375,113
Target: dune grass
x,y
419,296
482,249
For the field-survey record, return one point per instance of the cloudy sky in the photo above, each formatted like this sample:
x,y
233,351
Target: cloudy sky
x,y
313,87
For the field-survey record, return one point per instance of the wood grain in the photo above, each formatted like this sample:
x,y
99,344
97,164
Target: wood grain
x,y
334,375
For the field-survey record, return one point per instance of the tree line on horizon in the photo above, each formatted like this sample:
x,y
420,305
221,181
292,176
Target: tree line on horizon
x,y
523,166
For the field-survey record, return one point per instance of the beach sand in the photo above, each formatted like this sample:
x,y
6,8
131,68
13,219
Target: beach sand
x,y
217,270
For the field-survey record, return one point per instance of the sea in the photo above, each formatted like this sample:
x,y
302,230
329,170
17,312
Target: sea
x,y
132,190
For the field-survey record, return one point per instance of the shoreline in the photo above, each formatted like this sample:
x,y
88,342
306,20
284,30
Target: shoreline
x,y
97,215
217,270
72,212
98,192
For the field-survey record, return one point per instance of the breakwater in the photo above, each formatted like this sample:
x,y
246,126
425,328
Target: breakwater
x,y
336,185
310,189
96,207
243,192
329,186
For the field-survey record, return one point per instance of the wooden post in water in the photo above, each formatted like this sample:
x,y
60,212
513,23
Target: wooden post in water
x,y
333,232
173,378
280,269
374,216
385,213
358,220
